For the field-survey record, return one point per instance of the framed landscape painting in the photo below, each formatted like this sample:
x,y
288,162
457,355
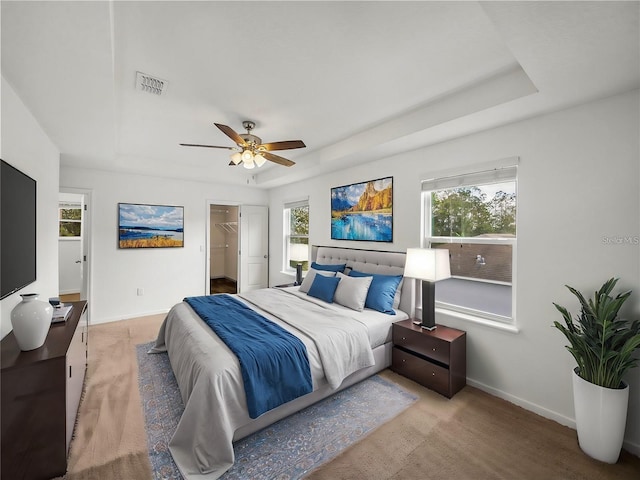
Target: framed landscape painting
x,y
363,211
150,226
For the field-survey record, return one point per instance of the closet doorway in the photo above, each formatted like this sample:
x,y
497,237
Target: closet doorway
x,y
223,249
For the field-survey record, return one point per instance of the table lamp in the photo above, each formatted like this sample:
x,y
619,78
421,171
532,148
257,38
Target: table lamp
x,y
428,265
298,252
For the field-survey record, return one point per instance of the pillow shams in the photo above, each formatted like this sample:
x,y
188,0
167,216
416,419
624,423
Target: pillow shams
x,y
352,291
308,279
329,268
382,291
324,288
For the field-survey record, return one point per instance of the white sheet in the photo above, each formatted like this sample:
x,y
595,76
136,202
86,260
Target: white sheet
x,y
210,382
378,323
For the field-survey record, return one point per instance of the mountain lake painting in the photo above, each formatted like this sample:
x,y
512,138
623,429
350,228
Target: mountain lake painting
x,y
150,226
363,211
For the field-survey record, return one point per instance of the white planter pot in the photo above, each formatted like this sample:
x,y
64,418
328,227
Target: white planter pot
x,y
31,319
601,417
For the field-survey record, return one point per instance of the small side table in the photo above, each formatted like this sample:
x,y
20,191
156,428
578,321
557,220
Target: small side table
x,y
436,359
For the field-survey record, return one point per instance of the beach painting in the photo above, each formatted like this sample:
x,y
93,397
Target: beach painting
x,y
150,226
363,211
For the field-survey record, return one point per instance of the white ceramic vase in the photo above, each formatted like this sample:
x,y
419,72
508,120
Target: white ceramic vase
x,y
601,417
31,319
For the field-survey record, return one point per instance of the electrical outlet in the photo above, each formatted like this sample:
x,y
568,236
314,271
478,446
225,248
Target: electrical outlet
x,y
140,292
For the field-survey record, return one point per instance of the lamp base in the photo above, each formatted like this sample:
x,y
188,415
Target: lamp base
x,y
298,274
428,305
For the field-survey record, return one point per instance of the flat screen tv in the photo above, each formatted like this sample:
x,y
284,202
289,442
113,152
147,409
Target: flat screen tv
x,y
17,230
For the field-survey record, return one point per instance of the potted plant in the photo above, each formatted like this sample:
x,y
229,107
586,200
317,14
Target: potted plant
x,y
603,345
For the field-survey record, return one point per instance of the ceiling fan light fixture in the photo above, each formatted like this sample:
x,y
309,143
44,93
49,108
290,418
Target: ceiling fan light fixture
x,y
248,163
259,160
247,156
236,158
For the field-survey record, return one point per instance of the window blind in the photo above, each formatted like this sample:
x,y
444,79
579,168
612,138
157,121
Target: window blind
x,y
297,203
477,178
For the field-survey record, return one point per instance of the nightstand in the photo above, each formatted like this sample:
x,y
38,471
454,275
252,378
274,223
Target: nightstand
x,y
436,359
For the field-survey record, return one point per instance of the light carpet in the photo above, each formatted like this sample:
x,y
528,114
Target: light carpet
x,y
472,436
286,450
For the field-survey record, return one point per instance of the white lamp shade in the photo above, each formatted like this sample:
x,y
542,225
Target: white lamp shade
x,y
259,159
247,155
248,162
427,264
236,158
298,252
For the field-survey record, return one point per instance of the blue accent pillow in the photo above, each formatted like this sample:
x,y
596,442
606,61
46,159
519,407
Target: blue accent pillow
x,y
381,292
324,288
329,268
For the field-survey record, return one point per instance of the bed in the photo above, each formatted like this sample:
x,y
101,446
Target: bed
x,y
209,374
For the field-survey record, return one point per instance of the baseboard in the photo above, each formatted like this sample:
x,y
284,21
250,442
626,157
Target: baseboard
x,y
128,317
532,407
630,447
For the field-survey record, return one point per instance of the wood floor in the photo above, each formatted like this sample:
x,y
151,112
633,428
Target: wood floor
x,y
223,285
71,297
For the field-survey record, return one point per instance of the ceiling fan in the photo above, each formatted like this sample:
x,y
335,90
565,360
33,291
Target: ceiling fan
x,y
250,150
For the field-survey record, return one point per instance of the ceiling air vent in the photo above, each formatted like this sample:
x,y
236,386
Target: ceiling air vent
x,y
147,83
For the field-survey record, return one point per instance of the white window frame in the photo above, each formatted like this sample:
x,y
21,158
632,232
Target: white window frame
x,y
69,206
505,170
286,221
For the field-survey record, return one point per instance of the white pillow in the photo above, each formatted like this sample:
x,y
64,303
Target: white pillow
x,y
311,274
352,291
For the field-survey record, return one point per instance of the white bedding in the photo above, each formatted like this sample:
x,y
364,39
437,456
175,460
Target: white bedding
x,y
210,378
377,322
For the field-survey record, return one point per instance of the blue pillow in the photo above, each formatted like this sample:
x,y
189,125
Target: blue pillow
x,y
324,288
381,292
329,268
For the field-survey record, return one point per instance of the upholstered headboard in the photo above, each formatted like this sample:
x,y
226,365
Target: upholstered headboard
x,y
371,261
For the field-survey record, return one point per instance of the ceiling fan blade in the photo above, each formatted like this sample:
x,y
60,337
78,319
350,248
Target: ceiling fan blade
x,y
206,146
231,164
231,133
287,145
277,159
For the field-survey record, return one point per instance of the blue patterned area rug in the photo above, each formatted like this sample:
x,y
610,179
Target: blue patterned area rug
x,y
286,450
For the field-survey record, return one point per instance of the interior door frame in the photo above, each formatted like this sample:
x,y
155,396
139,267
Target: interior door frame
x,y
87,242
207,246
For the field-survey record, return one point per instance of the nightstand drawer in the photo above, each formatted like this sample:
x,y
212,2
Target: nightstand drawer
x,y
425,373
423,344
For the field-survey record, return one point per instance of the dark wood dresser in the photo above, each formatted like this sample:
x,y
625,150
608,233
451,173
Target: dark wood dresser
x,y
40,393
436,359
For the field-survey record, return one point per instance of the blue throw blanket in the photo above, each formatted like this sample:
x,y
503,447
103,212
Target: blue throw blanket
x,y
274,362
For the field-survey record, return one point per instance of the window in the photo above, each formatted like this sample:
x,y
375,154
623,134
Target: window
x,y
474,217
69,220
296,235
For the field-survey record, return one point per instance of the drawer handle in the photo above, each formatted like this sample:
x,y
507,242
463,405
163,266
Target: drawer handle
x,y
433,374
434,349
404,338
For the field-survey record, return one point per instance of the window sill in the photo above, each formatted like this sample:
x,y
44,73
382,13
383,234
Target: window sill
x,y
505,327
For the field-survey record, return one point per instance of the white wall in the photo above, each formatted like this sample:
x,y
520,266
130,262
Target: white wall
x,y
26,146
166,275
578,183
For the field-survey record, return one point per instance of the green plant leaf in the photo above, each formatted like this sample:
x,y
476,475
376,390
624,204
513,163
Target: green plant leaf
x,y
601,343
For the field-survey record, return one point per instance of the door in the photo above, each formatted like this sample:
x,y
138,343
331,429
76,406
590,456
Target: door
x,y
254,248
73,251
